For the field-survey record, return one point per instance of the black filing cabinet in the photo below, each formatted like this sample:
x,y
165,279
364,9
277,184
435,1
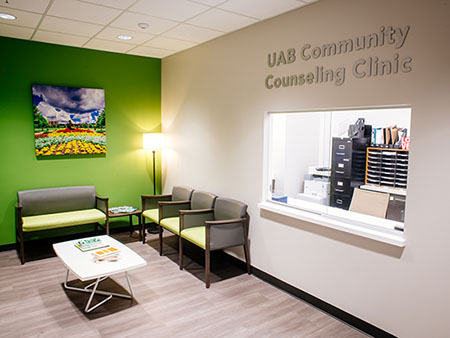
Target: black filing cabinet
x,y
348,164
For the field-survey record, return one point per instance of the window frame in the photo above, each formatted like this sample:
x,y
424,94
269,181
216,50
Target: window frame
x,y
358,224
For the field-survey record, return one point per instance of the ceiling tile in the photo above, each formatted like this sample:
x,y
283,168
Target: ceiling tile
x,y
120,4
151,52
178,10
221,20
192,33
110,46
15,31
209,2
261,9
25,19
51,23
168,43
130,20
111,34
82,11
59,38
37,6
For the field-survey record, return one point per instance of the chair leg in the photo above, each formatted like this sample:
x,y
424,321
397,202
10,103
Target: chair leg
x,y
21,250
160,240
207,268
131,225
144,233
180,252
96,229
246,254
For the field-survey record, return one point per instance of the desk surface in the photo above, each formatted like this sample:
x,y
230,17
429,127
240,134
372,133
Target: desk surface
x,y
82,264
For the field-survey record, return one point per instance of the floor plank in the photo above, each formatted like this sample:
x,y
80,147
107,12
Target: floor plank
x,y
168,302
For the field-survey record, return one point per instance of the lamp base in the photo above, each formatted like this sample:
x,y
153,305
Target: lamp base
x,y
153,229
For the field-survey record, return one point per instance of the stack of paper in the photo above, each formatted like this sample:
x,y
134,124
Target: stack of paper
x,y
108,254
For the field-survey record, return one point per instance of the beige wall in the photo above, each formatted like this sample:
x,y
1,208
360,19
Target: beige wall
x,y
214,103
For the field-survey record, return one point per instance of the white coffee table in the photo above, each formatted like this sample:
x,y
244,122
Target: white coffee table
x,y
83,266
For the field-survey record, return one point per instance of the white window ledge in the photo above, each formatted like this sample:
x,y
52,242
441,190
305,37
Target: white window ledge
x,y
390,236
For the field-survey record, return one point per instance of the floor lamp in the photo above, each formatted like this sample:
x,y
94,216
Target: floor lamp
x,y
153,142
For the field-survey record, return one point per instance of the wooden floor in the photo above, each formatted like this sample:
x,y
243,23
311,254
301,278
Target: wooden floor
x,y
168,302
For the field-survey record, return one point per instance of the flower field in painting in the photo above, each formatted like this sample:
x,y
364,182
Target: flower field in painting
x,y
70,142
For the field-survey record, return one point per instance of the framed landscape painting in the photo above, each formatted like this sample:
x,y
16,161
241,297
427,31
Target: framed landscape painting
x,y
68,121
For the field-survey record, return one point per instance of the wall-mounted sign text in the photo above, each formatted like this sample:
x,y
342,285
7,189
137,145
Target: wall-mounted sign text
x,y
362,68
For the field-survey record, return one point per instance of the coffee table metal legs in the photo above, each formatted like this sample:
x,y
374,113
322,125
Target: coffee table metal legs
x,y
92,289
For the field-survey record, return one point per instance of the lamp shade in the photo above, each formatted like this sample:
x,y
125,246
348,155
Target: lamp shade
x,y
153,141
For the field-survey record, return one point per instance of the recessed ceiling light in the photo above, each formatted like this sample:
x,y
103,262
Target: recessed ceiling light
x,y
124,37
7,16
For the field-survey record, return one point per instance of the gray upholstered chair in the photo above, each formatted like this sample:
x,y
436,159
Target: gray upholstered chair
x,y
150,206
169,212
225,226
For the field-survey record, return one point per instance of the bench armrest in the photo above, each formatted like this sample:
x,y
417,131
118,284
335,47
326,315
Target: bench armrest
x,y
18,219
101,203
194,218
172,208
151,201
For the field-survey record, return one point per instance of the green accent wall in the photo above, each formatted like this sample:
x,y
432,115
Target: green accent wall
x,y
132,87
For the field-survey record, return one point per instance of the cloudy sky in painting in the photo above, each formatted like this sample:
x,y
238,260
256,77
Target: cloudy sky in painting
x,y
62,104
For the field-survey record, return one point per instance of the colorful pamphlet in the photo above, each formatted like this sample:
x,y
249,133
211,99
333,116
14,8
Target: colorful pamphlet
x,y
90,244
120,210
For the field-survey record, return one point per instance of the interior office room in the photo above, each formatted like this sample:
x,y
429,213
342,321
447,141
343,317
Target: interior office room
x,y
255,103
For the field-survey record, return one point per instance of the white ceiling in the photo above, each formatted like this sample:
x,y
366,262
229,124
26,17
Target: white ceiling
x,y
174,25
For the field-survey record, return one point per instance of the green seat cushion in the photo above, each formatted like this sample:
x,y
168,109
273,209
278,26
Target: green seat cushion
x,y
152,215
62,219
196,235
172,224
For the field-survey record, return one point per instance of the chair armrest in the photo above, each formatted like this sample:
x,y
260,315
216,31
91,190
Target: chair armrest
x,y
194,218
171,208
226,221
197,211
101,203
173,202
19,221
151,201
226,233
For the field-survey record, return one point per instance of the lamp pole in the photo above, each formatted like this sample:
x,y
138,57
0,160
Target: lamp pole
x,y
153,228
154,173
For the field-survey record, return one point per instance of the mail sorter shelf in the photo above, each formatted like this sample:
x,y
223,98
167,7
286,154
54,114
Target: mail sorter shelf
x,y
348,169
387,167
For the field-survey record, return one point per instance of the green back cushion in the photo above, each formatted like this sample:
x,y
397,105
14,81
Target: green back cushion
x,y
54,200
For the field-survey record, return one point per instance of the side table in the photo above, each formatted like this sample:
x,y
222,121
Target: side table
x,y
137,213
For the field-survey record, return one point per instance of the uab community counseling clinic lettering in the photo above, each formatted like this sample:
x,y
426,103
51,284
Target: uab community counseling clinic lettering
x,y
364,67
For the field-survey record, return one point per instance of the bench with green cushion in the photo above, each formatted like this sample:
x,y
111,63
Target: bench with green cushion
x,y
150,206
44,209
169,212
226,226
